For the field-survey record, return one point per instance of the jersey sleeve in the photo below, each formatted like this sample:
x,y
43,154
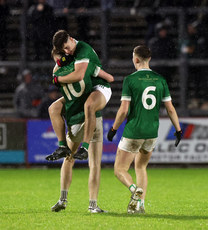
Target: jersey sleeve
x,y
126,92
96,72
166,92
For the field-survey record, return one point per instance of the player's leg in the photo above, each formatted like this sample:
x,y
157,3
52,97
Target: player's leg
x,y
55,112
141,162
122,163
95,102
57,120
121,167
65,180
95,155
127,151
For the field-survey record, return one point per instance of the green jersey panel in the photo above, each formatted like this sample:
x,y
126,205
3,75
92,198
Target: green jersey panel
x,y
145,90
85,53
76,94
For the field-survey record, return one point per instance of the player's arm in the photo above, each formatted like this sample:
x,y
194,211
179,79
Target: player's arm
x,y
120,117
172,114
108,77
121,114
77,75
174,119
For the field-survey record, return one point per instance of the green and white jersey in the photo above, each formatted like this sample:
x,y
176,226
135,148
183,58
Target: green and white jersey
x,y
85,53
145,90
76,93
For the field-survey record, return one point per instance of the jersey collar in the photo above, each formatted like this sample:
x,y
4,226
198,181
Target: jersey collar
x,y
144,70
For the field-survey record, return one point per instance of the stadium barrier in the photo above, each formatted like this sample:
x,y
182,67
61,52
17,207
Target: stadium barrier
x,y
12,141
29,141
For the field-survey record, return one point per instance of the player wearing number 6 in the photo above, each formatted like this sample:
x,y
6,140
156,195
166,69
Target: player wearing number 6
x,y
142,94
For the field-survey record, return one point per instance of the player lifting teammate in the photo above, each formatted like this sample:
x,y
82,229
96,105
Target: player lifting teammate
x,y
75,96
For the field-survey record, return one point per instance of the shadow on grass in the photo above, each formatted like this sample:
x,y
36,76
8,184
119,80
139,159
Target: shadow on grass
x,y
110,214
157,216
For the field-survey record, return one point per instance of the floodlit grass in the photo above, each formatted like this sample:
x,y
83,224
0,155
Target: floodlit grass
x,y
176,199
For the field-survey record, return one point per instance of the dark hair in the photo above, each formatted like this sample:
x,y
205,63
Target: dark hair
x,y
142,52
59,38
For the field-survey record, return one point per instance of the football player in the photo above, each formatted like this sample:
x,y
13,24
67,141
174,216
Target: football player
x,y
142,94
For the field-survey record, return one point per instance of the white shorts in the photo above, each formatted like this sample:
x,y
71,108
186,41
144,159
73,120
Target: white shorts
x,y
76,132
134,145
105,91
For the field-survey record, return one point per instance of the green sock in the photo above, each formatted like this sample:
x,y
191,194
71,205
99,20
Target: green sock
x,y
85,145
62,143
132,188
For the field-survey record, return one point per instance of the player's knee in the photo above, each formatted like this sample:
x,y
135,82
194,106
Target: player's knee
x,y
55,108
95,167
140,167
50,110
69,162
89,107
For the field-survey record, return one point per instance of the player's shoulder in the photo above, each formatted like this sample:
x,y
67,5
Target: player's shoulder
x,y
126,78
82,44
158,75
131,75
82,50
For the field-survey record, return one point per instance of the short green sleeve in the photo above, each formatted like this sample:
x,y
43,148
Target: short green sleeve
x,y
166,92
126,92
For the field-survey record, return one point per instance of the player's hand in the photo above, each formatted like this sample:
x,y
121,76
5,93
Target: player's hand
x,y
111,134
178,135
55,81
64,60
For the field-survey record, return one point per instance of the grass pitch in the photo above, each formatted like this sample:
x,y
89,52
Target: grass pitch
x,y
176,199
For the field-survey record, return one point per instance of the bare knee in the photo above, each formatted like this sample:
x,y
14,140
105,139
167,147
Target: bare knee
x,y
140,167
55,108
68,163
51,110
89,107
94,167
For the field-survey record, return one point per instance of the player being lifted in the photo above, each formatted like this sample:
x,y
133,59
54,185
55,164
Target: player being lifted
x,y
83,54
142,94
75,96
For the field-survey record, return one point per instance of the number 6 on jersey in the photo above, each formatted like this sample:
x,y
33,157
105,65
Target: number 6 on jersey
x,y
146,96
